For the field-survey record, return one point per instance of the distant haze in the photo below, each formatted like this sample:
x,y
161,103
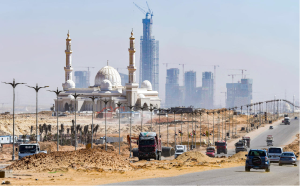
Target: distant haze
x,y
261,36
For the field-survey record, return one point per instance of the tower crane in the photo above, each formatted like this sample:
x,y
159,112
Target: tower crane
x,y
147,13
241,70
232,75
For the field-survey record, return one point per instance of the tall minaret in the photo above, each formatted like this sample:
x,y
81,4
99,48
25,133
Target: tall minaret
x,y
131,68
69,83
131,86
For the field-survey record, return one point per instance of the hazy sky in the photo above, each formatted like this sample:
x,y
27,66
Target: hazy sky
x,y
261,36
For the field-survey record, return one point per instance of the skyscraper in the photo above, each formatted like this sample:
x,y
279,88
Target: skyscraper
x,y
239,94
190,88
207,90
82,79
173,92
149,56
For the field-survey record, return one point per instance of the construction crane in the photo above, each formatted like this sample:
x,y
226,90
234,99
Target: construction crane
x,y
241,70
147,13
232,75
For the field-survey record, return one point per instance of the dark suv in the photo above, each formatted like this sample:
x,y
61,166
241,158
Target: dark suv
x,y
257,159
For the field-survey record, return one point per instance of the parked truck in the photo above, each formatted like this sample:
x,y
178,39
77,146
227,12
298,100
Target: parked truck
x,y
240,146
180,149
269,140
29,149
221,147
149,146
287,121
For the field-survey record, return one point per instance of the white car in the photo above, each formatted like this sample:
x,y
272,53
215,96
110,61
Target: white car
x,y
274,154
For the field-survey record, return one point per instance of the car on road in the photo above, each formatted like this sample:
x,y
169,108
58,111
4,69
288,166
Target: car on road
x,y
288,158
257,159
274,154
271,127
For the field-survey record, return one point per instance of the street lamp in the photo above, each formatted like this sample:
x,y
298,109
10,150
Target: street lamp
x,y
200,128
57,92
181,126
151,109
93,99
159,121
13,84
167,126
119,105
75,96
208,133
105,102
36,88
130,107
229,121
213,127
219,124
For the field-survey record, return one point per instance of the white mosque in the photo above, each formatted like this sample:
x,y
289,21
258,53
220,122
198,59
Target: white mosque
x,y
107,87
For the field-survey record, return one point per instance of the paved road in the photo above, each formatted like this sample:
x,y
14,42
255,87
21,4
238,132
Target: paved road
x,y
285,175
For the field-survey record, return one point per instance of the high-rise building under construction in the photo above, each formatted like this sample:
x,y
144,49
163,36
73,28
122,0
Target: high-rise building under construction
x,y
149,55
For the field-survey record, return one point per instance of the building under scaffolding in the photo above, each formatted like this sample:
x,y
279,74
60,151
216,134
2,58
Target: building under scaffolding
x,y
149,56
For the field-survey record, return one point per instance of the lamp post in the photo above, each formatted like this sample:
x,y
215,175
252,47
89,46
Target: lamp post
x,y
130,107
142,108
208,133
167,127
188,132
75,96
93,99
235,122
218,124
213,112
229,120
36,88
13,84
57,92
181,126
151,110
225,123
200,113
222,124
105,102
175,127
119,105
159,121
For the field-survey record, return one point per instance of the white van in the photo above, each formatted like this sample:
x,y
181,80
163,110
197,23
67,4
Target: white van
x,y
274,154
180,149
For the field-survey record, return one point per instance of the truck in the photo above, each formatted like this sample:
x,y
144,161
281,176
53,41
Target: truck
x,y
287,121
241,145
248,141
269,140
149,146
180,149
29,149
221,147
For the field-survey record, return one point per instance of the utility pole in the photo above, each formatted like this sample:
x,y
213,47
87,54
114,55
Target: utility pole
x,y
130,107
105,102
75,96
93,99
119,105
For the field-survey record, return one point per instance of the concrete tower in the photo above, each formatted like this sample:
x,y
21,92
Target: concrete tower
x,y
131,86
69,83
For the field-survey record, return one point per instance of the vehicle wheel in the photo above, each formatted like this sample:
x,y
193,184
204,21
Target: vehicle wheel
x,y
140,159
159,156
226,151
268,169
156,156
295,164
280,164
247,169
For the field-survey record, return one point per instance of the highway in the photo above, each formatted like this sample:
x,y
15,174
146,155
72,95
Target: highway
x,y
285,175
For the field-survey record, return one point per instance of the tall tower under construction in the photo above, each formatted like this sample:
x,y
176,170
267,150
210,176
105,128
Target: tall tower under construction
x,y
149,56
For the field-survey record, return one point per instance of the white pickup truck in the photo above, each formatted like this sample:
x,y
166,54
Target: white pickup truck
x,y
29,149
180,149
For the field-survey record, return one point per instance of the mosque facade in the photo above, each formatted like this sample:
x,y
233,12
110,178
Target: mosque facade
x,y
107,88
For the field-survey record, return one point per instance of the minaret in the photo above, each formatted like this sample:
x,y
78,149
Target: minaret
x,y
131,86
131,68
68,69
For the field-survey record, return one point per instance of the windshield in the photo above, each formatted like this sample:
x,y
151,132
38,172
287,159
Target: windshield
x,y
257,153
239,144
146,142
275,150
221,144
210,150
27,149
287,154
179,150
269,140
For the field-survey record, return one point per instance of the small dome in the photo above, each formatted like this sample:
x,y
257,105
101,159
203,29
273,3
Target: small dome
x,y
69,84
146,84
106,85
141,95
70,96
110,74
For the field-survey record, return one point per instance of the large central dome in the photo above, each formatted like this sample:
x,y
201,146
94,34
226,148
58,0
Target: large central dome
x,y
110,74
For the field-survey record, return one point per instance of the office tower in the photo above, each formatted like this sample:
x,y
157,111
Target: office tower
x,y
239,94
190,88
173,91
207,90
82,79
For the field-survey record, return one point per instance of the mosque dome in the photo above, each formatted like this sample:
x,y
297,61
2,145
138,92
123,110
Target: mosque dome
x,y
69,84
141,95
146,84
108,73
106,85
71,96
